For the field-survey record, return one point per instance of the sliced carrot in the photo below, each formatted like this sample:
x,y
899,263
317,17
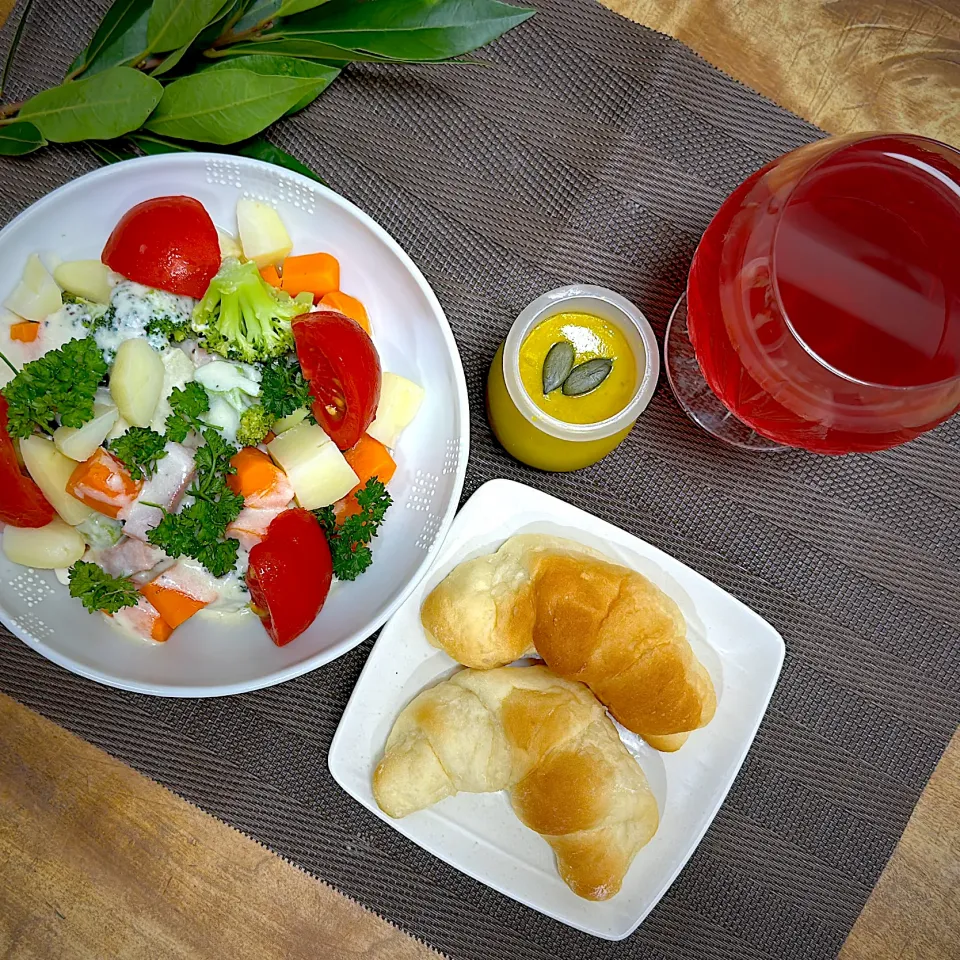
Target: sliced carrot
x,y
103,483
26,331
316,273
269,273
173,606
349,306
161,630
256,473
369,458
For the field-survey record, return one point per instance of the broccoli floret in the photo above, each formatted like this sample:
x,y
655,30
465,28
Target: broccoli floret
x,y
255,424
242,317
92,315
169,326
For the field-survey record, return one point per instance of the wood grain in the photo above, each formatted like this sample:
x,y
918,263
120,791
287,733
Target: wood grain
x,y
96,861
846,65
99,862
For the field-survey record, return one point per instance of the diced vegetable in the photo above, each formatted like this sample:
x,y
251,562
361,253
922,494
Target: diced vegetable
x,y
37,295
258,480
269,273
89,279
25,331
178,371
229,245
45,548
400,401
136,381
349,306
52,471
263,236
314,273
289,422
167,242
369,459
103,533
22,503
317,469
80,443
178,593
103,484
143,620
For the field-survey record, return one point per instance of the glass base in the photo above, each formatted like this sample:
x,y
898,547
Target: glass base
x,y
694,395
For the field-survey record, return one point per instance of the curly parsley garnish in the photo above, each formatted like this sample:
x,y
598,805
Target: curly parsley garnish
x,y
283,388
140,449
60,385
97,590
198,530
188,405
349,541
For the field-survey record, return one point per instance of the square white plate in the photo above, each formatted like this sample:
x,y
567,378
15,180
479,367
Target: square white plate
x,y
479,833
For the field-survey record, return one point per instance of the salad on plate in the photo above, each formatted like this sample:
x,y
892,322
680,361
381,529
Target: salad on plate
x,y
195,424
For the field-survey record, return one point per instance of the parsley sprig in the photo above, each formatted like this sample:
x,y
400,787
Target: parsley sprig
x,y
350,540
140,449
60,385
97,590
188,405
283,388
198,530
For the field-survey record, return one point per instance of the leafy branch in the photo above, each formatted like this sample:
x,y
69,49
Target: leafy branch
x,y
169,75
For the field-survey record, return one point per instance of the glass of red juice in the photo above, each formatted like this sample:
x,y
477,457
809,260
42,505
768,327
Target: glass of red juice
x,y
822,309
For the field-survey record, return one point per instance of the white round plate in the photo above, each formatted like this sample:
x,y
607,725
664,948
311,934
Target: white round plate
x,y
208,657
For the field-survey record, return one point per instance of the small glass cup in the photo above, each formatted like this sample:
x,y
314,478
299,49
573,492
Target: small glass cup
x,y
540,440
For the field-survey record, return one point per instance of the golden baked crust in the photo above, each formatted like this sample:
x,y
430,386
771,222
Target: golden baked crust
x,y
589,619
546,740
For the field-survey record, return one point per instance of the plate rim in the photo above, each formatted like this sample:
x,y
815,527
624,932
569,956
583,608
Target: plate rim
x,y
446,521
725,784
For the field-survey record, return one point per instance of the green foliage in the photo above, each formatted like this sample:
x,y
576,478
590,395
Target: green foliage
x,y
140,449
283,388
101,107
120,40
188,404
173,23
97,590
20,138
350,540
60,385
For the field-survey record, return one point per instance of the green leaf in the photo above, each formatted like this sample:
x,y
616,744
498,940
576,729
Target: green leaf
x,y
14,44
175,56
224,106
174,23
305,48
261,149
289,7
120,39
407,29
101,107
260,11
273,66
114,152
19,138
153,146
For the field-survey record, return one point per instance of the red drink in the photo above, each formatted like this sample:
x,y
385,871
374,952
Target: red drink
x,y
824,298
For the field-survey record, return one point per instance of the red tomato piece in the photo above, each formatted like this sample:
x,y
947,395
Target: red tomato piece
x,y
169,243
21,502
290,575
341,363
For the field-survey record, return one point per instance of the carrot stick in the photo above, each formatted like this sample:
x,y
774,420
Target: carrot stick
x,y
269,273
103,483
173,606
316,273
256,472
349,306
26,331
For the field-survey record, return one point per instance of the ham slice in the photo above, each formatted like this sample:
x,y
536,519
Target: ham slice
x,y
166,487
129,557
251,524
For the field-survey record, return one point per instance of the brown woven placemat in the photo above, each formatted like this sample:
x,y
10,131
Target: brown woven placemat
x,y
592,150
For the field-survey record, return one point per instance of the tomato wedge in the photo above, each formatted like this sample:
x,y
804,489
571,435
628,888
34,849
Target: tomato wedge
x,y
169,243
290,574
21,502
341,364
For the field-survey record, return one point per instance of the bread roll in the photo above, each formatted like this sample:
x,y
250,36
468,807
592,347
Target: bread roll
x,y
588,619
546,740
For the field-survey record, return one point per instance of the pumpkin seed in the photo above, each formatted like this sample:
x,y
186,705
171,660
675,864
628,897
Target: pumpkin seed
x,y
557,365
587,376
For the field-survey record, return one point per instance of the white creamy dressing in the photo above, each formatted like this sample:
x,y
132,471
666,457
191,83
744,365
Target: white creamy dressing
x,y
233,598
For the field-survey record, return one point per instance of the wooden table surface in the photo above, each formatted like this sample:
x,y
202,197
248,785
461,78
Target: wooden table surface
x,y
98,862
